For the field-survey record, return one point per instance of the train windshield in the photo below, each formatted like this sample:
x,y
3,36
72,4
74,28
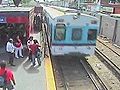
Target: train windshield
x,y
76,34
60,32
92,34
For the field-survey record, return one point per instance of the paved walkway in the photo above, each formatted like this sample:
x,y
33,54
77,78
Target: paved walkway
x,y
27,76
2,49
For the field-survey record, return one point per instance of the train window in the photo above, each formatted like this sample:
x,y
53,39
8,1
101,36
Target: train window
x,y
60,32
76,34
92,34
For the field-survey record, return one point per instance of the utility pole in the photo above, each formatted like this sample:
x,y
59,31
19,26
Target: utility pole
x,y
79,2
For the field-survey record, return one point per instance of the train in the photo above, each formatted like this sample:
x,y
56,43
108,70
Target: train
x,y
70,32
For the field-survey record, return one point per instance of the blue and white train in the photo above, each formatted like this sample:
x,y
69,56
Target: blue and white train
x,y
70,32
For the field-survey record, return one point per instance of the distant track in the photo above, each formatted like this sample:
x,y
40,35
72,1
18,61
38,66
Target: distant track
x,y
99,84
107,58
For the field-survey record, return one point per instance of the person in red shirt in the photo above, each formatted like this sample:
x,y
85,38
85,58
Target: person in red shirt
x,y
18,47
9,77
33,48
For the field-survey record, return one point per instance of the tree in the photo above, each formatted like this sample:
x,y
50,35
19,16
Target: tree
x,y
118,1
25,1
17,2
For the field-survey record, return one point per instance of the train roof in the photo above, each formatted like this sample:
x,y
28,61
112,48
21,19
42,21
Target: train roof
x,y
53,12
13,9
63,9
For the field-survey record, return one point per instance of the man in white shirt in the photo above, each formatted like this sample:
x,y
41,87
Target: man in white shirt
x,y
30,41
10,50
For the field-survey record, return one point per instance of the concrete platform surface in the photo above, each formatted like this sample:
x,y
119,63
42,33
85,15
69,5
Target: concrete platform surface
x,y
27,77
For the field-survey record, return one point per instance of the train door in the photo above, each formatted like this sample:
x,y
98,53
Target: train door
x,y
50,34
58,41
76,39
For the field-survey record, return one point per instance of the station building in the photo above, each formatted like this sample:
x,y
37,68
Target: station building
x,y
15,21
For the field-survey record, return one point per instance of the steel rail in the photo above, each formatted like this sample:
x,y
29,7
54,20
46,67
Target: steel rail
x,y
93,76
109,47
65,84
109,62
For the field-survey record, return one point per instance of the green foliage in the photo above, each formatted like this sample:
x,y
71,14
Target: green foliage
x,y
25,1
28,3
112,0
118,1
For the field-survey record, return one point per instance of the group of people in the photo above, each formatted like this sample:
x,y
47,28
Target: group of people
x,y
34,51
14,48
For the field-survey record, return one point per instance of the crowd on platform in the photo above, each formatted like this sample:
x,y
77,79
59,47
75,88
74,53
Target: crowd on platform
x,y
14,49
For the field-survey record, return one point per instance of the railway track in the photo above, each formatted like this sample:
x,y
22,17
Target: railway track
x,y
71,73
107,46
106,65
99,84
109,57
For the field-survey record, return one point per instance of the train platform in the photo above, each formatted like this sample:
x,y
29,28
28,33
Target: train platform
x,y
50,82
29,77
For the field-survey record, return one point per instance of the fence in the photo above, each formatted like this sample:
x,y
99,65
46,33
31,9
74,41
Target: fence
x,y
110,28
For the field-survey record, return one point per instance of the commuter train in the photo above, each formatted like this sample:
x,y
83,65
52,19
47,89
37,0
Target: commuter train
x,y
70,32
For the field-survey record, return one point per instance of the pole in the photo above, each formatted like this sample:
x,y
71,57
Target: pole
x,y
78,4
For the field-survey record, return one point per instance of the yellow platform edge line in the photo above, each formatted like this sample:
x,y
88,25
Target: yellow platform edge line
x,y
50,81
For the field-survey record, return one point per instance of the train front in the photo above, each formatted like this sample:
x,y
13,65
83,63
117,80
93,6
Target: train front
x,y
74,35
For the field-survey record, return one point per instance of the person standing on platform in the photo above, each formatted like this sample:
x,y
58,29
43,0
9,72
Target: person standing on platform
x,y
7,77
30,42
10,50
18,47
33,48
46,49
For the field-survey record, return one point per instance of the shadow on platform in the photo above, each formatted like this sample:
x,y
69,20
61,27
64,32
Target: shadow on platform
x,y
27,65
